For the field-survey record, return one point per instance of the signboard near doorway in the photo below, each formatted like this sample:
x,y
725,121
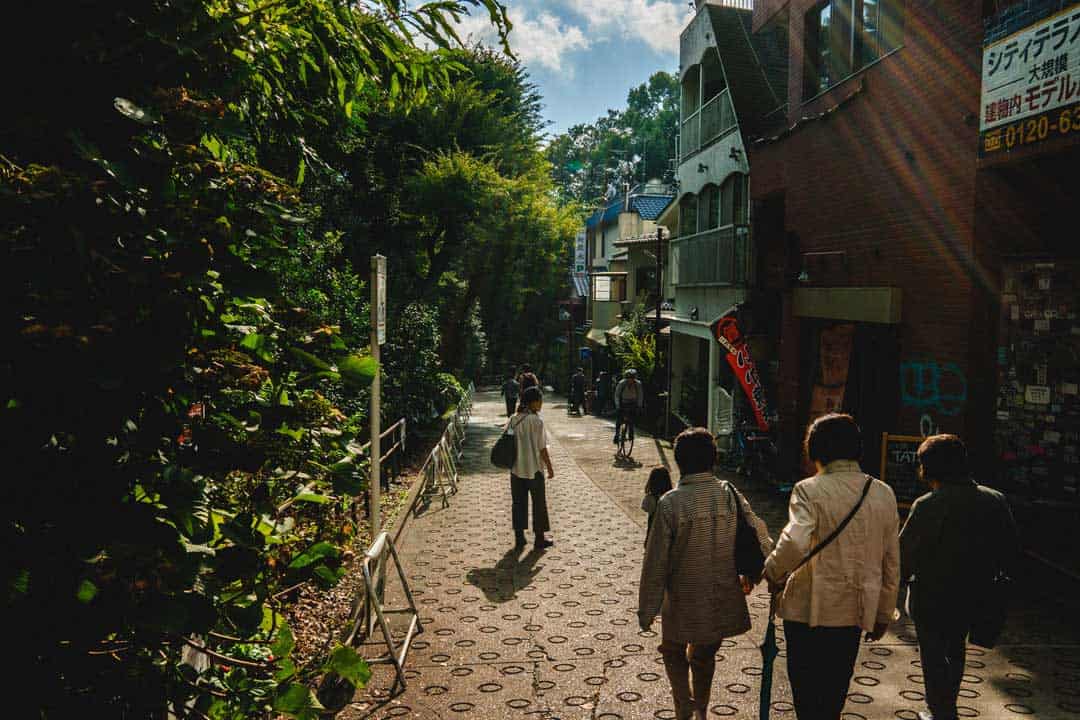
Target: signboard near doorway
x,y
899,467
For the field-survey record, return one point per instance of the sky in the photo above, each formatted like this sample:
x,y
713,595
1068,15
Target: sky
x,y
586,55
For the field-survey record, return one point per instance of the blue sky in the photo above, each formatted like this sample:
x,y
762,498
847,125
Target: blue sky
x,y
585,55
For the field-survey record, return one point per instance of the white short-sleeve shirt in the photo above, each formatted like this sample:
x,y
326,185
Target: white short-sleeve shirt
x,y
530,438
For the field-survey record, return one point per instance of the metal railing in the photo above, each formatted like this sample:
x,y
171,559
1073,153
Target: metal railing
x,y
714,257
439,474
395,453
707,124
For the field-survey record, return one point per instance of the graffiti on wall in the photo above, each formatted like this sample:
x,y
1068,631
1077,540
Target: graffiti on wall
x,y
931,387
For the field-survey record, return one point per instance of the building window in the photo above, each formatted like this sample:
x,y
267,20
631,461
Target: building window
x,y
609,288
844,36
733,199
688,211
709,208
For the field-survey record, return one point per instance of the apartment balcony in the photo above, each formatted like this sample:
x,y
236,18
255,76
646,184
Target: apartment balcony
x,y
1018,15
706,125
715,257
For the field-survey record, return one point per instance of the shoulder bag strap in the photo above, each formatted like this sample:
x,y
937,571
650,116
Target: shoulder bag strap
x,y
839,528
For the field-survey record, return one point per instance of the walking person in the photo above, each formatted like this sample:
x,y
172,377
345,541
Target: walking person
x,y
846,523
659,482
688,574
510,391
956,540
526,476
525,380
577,391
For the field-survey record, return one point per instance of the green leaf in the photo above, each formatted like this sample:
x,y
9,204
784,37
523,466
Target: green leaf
x,y
346,663
87,591
259,345
284,642
296,699
349,484
358,371
312,498
309,358
313,554
296,434
328,578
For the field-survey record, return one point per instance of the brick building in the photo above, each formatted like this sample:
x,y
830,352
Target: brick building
x,y
917,243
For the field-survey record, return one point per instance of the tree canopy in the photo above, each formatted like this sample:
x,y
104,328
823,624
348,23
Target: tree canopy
x,y
189,196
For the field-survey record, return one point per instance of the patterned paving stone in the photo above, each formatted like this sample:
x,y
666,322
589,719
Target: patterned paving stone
x,y
553,634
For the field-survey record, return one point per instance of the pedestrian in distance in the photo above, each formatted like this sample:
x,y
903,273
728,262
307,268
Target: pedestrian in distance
x,y
510,392
688,574
577,391
629,401
956,541
659,482
836,567
526,476
525,380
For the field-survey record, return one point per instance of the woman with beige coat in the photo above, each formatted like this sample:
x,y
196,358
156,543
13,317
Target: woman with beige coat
x,y
850,585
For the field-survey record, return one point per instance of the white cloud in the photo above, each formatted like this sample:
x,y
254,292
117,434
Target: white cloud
x,y
543,39
657,23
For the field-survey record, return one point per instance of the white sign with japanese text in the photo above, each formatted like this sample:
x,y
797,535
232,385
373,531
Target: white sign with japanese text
x,y
579,253
1031,84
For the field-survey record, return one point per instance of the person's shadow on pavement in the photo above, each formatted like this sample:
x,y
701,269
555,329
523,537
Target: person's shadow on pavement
x,y
500,583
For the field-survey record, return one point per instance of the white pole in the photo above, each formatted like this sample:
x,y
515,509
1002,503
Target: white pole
x,y
378,337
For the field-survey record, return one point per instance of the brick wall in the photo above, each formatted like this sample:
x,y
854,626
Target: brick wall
x,y
887,175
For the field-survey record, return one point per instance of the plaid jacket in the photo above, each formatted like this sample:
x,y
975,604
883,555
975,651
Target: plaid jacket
x,y
688,575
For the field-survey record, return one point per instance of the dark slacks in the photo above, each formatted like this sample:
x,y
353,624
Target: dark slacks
x,y
820,662
941,649
690,668
511,405
520,490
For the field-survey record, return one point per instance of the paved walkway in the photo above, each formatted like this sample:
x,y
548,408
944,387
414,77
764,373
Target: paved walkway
x,y
554,635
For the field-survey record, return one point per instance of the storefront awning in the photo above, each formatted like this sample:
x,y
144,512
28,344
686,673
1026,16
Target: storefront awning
x,y
581,285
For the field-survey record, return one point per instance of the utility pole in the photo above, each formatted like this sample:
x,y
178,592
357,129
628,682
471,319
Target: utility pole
x,y
659,302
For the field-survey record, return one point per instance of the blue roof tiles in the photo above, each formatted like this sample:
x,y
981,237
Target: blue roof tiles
x,y
648,207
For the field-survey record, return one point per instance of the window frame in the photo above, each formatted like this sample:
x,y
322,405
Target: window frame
x,y
818,63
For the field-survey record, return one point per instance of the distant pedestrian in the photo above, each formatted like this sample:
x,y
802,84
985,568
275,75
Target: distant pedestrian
x,y
659,482
527,379
956,540
510,392
603,385
526,476
689,575
577,391
851,584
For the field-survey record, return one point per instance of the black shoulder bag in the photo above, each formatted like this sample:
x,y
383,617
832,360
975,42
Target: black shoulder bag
x,y
749,559
504,451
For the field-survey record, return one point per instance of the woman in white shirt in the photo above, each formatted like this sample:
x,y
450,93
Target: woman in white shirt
x,y
526,477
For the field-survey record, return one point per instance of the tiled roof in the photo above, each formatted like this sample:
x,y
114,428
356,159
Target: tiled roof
x,y
648,207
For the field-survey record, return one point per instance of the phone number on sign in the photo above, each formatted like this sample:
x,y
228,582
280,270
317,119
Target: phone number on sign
x,y
1032,130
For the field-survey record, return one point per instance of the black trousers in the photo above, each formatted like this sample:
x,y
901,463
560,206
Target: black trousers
x,y
520,490
511,405
820,663
942,648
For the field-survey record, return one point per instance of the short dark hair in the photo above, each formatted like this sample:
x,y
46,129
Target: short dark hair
x,y
835,436
943,458
531,395
695,451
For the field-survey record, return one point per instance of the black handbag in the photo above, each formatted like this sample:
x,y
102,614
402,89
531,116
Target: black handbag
x,y
504,451
989,616
749,559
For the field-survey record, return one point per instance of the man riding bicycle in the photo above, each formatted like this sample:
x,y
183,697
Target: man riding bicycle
x,y
629,399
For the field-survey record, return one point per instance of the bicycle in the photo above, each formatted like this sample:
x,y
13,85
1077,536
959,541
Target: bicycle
x,y
626,437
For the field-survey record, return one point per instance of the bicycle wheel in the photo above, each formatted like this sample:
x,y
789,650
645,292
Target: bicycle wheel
x,y
629,445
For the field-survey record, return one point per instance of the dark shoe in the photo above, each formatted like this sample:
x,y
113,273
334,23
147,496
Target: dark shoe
x,y
542,542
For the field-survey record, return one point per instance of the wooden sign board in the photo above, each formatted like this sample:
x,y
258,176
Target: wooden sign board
x,y
899,467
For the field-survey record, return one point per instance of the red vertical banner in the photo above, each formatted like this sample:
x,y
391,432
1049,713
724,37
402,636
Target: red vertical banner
x,y
727,333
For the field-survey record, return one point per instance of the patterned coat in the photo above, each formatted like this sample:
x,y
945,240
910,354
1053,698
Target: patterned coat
x,y
688,575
